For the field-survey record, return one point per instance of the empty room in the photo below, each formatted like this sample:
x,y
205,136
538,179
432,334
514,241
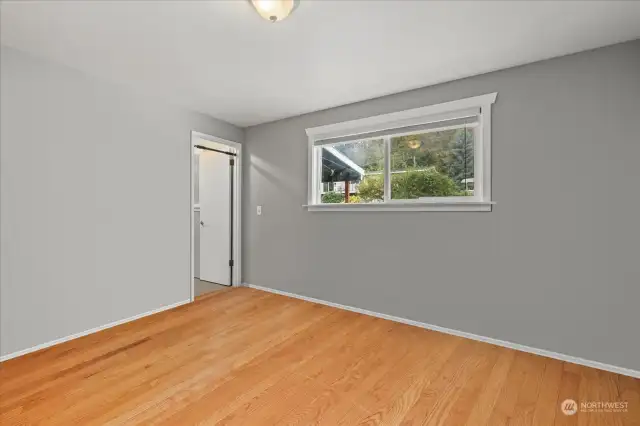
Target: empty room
x,y
319,212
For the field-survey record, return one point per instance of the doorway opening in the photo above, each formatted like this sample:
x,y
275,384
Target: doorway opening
x,y
216,166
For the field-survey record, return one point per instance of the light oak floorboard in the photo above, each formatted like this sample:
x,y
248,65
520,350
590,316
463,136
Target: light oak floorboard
x,y
245,357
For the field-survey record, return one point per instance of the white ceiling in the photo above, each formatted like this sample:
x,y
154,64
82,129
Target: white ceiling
x,y
221,58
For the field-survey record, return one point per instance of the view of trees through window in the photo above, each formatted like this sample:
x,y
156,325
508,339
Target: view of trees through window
x,y
431,164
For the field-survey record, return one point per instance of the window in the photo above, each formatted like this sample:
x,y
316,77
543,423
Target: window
x,y
430,158
345,165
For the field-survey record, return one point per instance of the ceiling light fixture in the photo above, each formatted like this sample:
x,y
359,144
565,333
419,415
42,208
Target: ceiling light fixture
x,y
275,10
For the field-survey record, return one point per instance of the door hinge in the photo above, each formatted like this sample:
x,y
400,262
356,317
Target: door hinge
x,y
230,262
231,161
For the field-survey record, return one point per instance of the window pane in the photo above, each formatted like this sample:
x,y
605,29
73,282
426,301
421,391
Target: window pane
x,y
432,164
352,172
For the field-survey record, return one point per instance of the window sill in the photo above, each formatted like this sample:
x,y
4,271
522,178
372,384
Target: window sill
x,y
457,206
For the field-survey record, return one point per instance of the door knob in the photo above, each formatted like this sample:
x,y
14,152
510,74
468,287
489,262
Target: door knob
x,y
201,223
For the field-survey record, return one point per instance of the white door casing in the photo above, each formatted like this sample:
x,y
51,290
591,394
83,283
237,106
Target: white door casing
x,y
215,217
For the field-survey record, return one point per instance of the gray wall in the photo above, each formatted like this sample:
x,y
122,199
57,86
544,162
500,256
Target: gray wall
x,y
94,201
554,266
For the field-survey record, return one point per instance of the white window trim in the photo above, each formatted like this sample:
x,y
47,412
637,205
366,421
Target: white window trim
x,y
480,202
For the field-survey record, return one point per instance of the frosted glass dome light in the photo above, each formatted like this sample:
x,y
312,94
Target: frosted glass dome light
x,y
275,10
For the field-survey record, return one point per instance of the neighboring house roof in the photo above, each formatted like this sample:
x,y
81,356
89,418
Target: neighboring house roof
x,y
337,167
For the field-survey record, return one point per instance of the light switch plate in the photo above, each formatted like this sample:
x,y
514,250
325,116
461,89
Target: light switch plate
x,y
259,210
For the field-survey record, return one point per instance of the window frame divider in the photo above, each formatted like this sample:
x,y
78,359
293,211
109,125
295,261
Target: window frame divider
x,y
387,169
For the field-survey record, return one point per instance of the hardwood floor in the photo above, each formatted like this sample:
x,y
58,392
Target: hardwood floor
x,y
246,357
202,287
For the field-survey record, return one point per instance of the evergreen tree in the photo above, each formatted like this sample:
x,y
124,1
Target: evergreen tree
x,y
460,165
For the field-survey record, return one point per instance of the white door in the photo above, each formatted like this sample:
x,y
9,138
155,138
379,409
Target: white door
x,y
215,217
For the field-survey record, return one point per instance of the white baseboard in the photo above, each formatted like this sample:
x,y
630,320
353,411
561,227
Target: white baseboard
x,y
503,343
93,330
